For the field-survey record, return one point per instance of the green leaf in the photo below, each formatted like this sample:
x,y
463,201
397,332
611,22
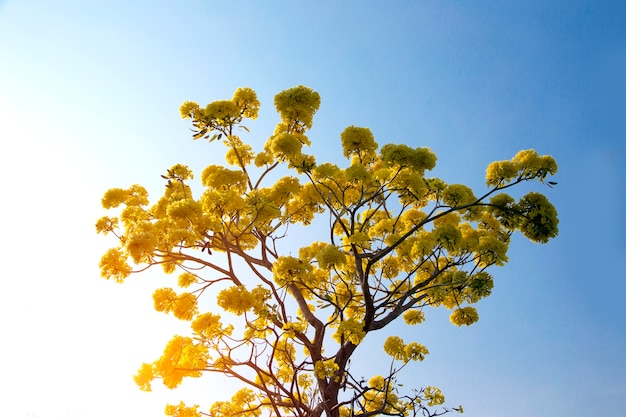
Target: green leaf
x,y
199,134
216,136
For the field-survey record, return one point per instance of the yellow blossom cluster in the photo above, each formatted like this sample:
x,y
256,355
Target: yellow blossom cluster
x,y
238,300
187,279
246,100
381,398
330,256
418,159
184,306
284,354
244,403
221,114
351,330
181,358
434,396
208,326
114,265
238,153
296,108
526,164
457,195
357,141
219,178
182,410
464,316
396,348
413,317
291,328
326,369
539,222
288,269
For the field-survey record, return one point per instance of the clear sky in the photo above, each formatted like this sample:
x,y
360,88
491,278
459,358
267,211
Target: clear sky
x,y
89,96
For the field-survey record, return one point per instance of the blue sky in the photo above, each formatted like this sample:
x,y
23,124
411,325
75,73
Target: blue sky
x,y
89,96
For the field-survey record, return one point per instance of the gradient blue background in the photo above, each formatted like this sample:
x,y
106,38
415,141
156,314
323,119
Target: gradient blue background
x,y
89,96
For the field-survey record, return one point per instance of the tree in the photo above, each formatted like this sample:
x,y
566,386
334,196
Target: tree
x,y
398,242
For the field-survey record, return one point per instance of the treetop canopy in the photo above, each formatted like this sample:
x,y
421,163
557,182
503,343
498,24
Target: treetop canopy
x,y
397,242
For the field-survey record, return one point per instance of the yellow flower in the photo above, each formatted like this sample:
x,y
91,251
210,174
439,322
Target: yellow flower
x,y
325,170
500,172
383,227
419,159
325,368
394,347
415,352
132,215
186,279
189,110
106,224
464,316
181,410
180,358
288,269
113,265
222,112
491,251
141,242
355,140
284,146
208,326
285,353
220,178
243,404
238,300
114,197
283,190
290,328
350,330
412,217
448,236
434,396
144,377
413,317
239,153
457,195
136,196
263,158
330,256
297,104
357,172
450,218
390,267
540,221
376,382
183,306
246,100
180,171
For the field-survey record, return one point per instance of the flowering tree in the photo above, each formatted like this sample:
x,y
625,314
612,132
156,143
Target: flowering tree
x,y
397,242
